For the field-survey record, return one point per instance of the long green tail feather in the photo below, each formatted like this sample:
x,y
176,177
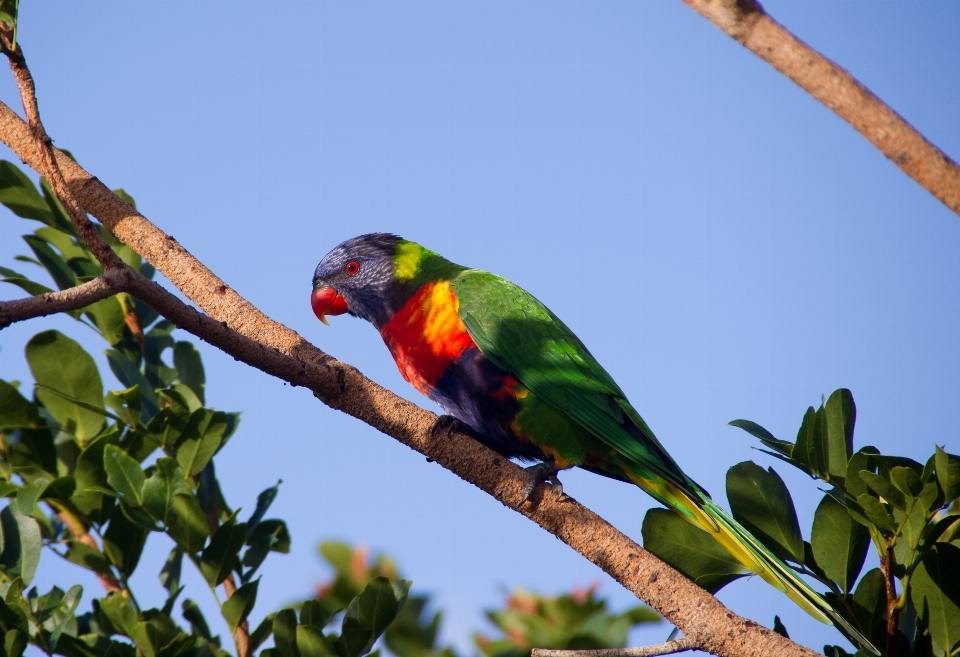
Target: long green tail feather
x,y
752,554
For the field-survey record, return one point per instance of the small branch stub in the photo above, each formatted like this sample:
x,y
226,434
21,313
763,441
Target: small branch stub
x,y
668,648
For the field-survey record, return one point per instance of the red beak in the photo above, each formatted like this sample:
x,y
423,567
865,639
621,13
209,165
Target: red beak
x,y
326,301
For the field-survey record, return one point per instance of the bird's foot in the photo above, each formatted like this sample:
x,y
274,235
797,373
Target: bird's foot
x,y
546,471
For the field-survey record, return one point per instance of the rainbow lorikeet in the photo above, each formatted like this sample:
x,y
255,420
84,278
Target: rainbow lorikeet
x,y
498,360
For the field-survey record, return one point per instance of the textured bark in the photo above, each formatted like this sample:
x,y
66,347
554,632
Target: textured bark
x,y
72,298
240,329
754,29
668,648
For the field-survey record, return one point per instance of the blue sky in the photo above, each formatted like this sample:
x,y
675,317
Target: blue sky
x,y
725,245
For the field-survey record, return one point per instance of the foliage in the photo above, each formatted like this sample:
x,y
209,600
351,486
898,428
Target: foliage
x,y
79,465
893,503
578,620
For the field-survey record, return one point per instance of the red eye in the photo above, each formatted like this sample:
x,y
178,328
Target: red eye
x,y
351,267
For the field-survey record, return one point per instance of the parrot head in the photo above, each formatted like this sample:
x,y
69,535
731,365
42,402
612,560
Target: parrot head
x,y
358,277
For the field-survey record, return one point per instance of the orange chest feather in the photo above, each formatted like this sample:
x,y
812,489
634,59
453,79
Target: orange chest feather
x,y
426,335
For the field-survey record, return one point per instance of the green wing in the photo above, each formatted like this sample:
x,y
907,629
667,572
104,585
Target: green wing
x,y
521,336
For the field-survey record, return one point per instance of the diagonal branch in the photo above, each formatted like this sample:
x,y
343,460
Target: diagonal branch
x,y
241,330
72,298
748,23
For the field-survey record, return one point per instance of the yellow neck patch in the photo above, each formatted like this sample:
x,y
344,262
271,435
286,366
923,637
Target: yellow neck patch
x,y
406,260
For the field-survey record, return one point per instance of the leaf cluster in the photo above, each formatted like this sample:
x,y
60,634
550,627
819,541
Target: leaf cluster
x,y
893,503
578,620
77,464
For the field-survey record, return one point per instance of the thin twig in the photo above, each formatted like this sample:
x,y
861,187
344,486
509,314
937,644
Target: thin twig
x,y
49,303
668,648
748,23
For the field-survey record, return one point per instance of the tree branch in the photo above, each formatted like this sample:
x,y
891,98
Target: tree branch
x,y
748,23
668,648
72,298
80,534
241,330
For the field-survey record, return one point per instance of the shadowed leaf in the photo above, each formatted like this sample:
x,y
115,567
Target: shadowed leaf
x,y
690,550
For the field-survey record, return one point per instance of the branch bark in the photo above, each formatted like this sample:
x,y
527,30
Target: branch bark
x,y
668,648
748,23
72,298
240,329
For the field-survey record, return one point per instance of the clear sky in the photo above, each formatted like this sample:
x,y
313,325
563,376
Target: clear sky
x,y
725,245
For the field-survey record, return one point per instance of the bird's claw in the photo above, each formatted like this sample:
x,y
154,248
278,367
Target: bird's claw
x,y
546,471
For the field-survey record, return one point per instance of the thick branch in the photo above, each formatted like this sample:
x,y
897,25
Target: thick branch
x,y
668,648
72,298
753,28
240,329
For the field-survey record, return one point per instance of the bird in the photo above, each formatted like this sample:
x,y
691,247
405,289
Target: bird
x,y
500,362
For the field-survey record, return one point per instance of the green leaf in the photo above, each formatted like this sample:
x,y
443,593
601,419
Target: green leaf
x,y
761,502
839,543
906,480
108,316
119,613
89,473
68,605
186,359
935,592
190,530
93,408
841,415
870,605
27,496
88,557
161,489
22,543
126,404
690,550
884,489
312,643
285,632
60,489
263,631
200,440
264,500
369,614
808,449
123,542
14,643
865,459
948,473
124,475
56,266
194,615
60,363
27,285
15,410
170,574
311,613
20,195
276,528
128,373
236,609
877,513
782,447
221,556
259,548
